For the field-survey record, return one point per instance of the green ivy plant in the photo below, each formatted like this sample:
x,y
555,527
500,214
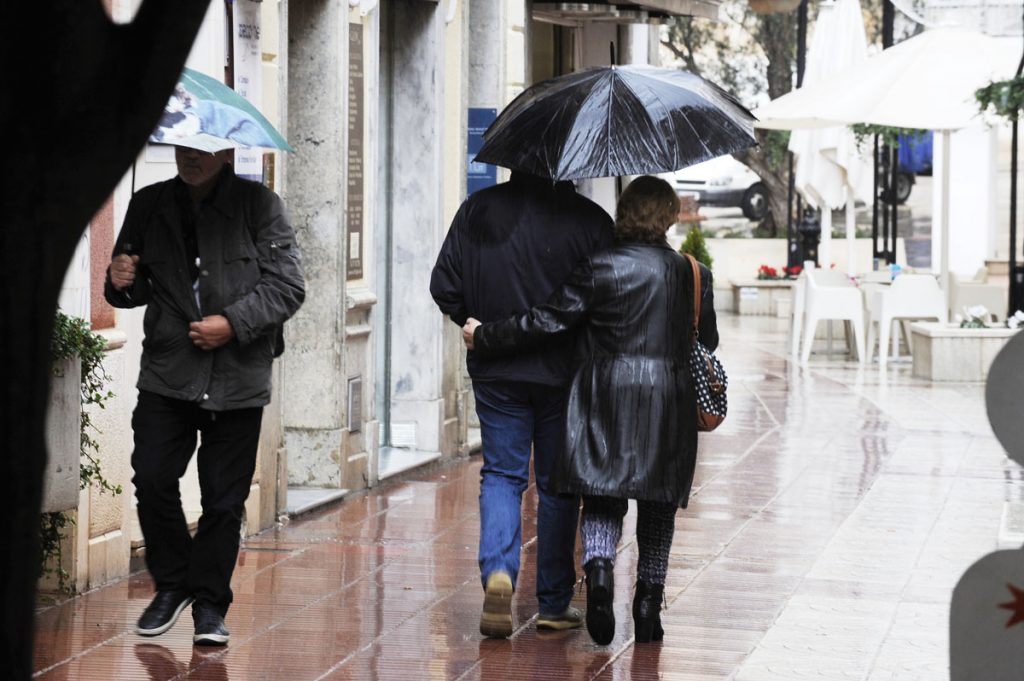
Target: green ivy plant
x,y
887,135
1004,98
72,337
695,245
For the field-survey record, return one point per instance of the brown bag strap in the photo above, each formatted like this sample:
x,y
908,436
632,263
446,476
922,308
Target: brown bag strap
x,y
696,293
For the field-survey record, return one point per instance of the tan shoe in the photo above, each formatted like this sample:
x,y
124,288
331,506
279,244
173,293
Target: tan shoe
x,y
570,618
496,618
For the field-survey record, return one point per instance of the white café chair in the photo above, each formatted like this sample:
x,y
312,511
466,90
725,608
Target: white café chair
x,y
909,297
965,293
830,295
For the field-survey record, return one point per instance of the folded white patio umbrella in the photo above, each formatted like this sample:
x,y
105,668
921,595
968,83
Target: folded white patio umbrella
x,y
926,82
828,169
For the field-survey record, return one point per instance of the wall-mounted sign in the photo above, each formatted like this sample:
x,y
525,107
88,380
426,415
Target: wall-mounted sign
x,y
356,153
479,175
248,81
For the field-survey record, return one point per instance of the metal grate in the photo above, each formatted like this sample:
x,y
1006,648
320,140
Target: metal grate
x,y
355,404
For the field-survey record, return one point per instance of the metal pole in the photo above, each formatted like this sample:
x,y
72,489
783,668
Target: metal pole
x,y
801,42
1015,304
894,165
888,23
874,203
790,244
885,208
944,221
801,63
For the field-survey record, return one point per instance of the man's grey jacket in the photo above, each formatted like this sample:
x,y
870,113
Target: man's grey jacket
x,y
249,271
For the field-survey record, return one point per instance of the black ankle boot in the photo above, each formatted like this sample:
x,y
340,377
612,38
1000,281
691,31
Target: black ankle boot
x,y
600,592
647,612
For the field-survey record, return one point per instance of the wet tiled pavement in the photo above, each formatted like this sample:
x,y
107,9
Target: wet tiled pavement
x,y
833,513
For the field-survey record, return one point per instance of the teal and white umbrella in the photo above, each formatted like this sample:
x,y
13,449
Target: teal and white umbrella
x,y
204,113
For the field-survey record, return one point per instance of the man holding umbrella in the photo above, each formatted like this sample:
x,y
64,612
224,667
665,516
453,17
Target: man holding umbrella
x,y
214,259
509,247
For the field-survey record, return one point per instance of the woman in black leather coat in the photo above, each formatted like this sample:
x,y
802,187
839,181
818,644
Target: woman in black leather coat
x,y
631,430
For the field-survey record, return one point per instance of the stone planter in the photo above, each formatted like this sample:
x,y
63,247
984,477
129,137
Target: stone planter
x,y
765,297
63,437
945,352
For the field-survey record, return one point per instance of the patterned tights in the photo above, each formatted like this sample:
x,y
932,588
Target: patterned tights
x,y
655,524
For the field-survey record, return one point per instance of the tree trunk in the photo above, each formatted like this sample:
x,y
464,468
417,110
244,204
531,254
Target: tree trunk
x,y
81,96
762,161
777,36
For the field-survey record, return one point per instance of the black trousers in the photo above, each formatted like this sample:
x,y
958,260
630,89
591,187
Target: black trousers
x,y
166,431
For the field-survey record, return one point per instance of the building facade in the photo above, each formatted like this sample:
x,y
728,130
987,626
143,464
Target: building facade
x,y
382,101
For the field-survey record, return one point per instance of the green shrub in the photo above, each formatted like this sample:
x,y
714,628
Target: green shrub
x,y
694,245
72,337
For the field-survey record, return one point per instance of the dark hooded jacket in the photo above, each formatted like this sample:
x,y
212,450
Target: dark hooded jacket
x,y
249,271
631,425
509,247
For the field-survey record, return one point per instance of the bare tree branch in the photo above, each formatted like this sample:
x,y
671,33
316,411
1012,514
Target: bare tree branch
x,y
684,31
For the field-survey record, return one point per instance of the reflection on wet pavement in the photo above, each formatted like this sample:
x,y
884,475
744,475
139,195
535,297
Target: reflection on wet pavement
x,y
834,511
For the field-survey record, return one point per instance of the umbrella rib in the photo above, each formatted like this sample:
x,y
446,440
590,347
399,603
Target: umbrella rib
x,y
608,123
663,142
710,153
686,118
575,116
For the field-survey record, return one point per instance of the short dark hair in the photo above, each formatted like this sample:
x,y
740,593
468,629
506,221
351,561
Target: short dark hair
x,y
646,209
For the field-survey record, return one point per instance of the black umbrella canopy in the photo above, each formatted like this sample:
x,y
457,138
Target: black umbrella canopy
x,y
617,120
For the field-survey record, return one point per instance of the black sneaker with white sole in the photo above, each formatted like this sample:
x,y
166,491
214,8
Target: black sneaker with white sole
x,y
162,612
210,629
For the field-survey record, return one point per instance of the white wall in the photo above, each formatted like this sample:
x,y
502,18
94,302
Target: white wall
x,y
972,198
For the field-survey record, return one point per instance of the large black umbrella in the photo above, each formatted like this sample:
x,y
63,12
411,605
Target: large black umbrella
x,y
611,121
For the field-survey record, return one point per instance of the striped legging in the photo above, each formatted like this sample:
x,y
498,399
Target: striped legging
x,y
601,528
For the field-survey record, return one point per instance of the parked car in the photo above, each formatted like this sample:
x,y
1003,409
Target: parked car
x,y
723,182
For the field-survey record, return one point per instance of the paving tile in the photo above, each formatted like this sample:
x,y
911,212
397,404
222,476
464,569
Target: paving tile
x,y
832,515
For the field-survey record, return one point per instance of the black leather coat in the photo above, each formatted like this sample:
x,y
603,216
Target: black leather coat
x,y
631,427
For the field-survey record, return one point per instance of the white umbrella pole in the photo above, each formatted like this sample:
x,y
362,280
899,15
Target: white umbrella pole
x,y
825,247
944,219
851,230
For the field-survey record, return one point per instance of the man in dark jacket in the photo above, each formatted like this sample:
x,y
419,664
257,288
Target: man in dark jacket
x,y
509,247
215,262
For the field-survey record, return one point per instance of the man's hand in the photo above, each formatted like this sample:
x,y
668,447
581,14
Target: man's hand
x,y
211,333
467,332
122,271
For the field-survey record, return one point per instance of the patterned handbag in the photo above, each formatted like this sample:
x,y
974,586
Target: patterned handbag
x,y
707,372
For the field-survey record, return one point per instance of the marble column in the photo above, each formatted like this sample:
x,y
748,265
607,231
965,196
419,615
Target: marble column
x,y
486,53
415,165
313,371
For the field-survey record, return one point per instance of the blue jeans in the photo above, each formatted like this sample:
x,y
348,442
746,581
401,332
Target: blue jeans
x,y
514,415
